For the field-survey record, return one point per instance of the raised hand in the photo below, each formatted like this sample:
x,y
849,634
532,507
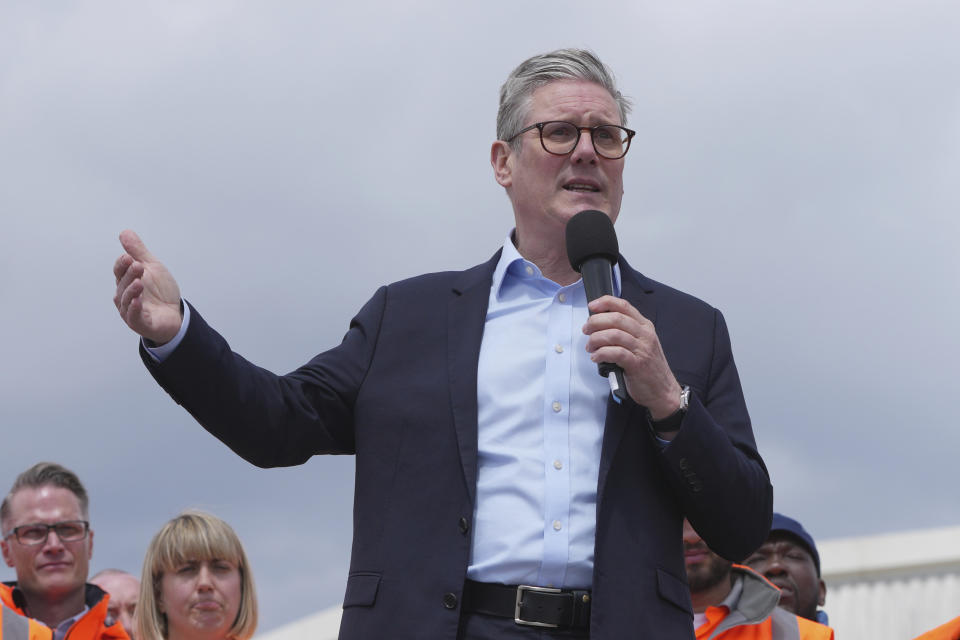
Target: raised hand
x,y
147,296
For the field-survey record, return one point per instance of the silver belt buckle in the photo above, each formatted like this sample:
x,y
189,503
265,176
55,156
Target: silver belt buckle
x,y
516,612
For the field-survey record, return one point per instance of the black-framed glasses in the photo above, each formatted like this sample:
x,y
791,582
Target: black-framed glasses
x,y
37,533
560,138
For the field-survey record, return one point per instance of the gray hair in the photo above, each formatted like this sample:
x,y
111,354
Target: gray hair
x,y
46,474
533,73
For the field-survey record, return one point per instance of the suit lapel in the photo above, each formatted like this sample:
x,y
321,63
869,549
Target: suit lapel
x,y
634,287
466,315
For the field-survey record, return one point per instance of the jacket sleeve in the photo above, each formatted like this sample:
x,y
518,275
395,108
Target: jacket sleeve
x,y
713,463
267,419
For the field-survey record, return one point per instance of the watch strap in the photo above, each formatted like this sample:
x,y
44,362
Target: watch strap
x,y
673,421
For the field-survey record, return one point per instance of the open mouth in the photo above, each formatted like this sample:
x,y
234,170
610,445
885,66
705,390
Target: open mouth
x,y
581,187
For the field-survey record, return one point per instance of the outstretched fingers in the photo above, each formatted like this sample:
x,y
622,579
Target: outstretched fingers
x,y
127,297
134,271
134,246
121,265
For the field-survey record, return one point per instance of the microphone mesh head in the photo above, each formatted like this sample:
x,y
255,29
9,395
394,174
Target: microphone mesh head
x,y
590,234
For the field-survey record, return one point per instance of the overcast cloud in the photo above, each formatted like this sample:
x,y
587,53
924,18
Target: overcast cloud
x,y
796,165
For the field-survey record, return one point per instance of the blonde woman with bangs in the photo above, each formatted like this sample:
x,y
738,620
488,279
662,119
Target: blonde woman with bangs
x,y
196,583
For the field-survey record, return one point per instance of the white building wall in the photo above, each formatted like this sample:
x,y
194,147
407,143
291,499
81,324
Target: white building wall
x,y
893,608
324,625
894,586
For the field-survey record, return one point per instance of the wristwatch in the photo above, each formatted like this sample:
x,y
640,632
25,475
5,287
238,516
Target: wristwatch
x,y
673,421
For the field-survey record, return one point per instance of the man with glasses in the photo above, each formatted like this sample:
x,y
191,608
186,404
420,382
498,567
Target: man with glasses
x,y
500,491
48,541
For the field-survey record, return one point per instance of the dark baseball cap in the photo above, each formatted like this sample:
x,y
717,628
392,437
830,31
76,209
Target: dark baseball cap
x,y
794,528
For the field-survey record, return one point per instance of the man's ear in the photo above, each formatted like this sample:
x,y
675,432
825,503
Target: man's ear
x,y
500,155
7,556
823,593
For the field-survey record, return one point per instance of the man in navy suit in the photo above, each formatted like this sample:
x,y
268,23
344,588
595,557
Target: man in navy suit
x,y
500,490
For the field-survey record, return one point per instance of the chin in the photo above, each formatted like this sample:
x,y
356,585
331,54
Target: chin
x,y
582,201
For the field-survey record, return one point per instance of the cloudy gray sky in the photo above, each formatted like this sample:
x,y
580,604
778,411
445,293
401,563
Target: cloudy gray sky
x,y
796,165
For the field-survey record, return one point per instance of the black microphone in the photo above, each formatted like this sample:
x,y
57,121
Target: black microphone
x,y
593,250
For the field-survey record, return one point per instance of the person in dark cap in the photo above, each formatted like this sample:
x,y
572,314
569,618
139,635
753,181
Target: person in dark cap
x,y
789,559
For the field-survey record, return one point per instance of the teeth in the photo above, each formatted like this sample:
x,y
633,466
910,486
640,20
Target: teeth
x,y
580,187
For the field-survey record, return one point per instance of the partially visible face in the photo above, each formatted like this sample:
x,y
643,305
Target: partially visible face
x,y
785,562
201,599
705,569
547,190
124,592
53,569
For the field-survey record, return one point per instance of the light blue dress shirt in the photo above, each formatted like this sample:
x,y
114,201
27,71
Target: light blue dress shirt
x,y
541,410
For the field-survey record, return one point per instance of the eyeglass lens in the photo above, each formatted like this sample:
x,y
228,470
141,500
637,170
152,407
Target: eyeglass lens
x,y
67,531
561,137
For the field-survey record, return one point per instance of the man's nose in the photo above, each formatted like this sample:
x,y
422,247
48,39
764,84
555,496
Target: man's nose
x,y
126,620
774,566
584,151
690,536
52,542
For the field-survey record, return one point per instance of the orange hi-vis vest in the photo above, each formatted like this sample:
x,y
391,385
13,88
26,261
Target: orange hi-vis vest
x,y
93,625
14,626
753,614
948,631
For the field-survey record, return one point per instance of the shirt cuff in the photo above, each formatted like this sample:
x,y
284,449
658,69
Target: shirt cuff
x,y
161,353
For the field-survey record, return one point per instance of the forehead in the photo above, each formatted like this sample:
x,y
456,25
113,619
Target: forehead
x,y
177,550
579,101
784,543
44,504
119,585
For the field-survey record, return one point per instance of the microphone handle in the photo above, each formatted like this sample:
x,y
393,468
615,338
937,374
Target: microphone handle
x,y
597,274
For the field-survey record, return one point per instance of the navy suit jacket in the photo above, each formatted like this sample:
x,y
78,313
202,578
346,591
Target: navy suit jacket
x,y
400,392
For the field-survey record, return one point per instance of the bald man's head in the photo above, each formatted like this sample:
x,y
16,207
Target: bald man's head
x,y
124,590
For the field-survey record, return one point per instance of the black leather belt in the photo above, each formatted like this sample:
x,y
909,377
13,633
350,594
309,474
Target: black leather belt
x,y
526,605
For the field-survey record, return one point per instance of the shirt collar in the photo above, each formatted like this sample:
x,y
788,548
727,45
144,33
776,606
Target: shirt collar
x,y
66,624
513,265
736,589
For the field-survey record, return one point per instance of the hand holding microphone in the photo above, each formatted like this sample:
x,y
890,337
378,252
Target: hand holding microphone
x,y
593,250
624,343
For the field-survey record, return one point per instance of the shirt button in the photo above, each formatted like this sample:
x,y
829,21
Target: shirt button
x,y
556,407
558,348
562,297
556,525
529,270
557,465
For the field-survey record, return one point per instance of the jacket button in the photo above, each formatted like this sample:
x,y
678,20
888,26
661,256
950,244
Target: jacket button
x,y
464,526
450,600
